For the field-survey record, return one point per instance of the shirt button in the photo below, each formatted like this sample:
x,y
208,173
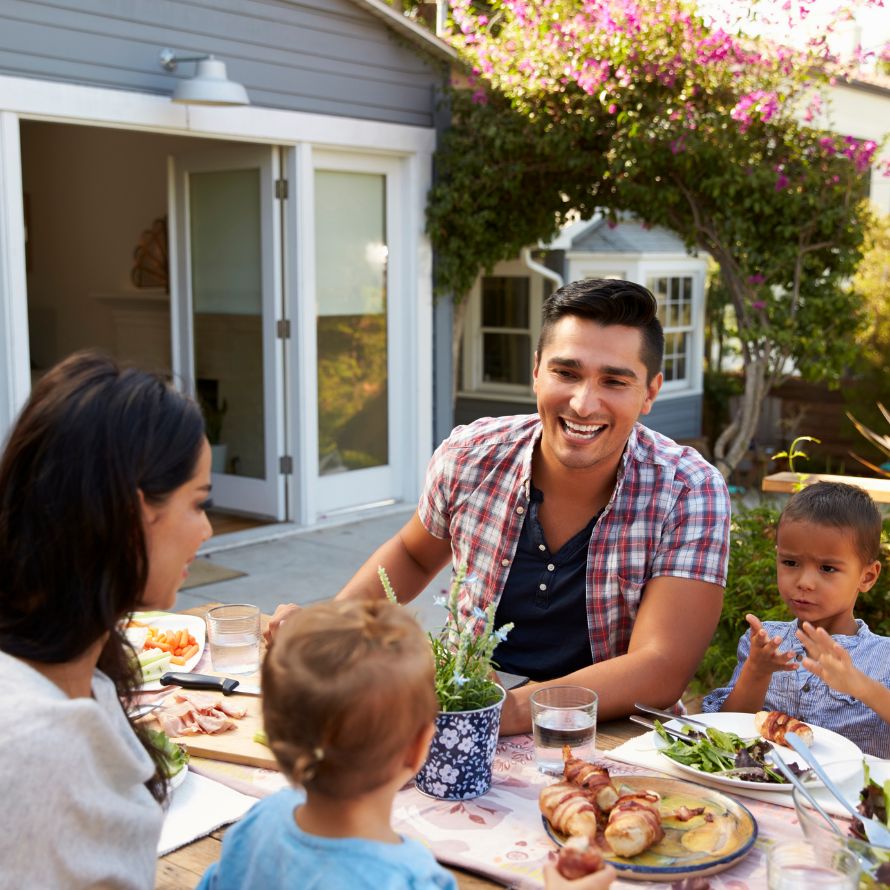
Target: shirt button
x,y
543,587
520,509
541,547
800,656
805,688
505,562
551,568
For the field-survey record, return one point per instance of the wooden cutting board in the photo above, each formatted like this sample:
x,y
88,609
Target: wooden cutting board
x,y
235,745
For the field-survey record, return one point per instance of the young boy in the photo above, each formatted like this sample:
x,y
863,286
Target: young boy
x,y
827,668
349,706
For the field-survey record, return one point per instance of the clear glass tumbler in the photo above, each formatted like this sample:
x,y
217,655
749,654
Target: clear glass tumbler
x,y
804,865
234,636
563,715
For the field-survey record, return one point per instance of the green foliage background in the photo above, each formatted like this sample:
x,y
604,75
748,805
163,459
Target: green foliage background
x,y
751,587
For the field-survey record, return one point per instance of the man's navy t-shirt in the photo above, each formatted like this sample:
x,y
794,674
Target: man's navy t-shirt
x,y
546,599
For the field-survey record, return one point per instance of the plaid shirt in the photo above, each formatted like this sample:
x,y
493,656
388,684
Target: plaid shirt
x,y
668,515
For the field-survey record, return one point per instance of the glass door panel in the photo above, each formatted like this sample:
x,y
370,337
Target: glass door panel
x,y
227,301
226,297
350,262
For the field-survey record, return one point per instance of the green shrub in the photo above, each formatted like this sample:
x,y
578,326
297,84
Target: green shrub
x,y
751,587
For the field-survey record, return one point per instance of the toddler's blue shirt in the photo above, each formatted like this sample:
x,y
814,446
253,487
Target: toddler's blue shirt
x,y
268,849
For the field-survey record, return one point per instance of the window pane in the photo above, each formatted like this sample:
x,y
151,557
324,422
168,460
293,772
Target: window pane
x,y
686,314
227,289
687,289
668,369
505,302
350,259
681,368
506,358
662,314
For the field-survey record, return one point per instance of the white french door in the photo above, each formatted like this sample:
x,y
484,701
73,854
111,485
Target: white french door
x,y
226,300
355,328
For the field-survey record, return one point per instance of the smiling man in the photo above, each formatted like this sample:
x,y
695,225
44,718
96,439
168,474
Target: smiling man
x,y
604,542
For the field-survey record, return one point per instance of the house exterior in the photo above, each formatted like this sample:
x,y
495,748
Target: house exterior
x,y
503,319
284,275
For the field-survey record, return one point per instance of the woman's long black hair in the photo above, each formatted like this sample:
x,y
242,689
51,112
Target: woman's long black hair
x,y
73,557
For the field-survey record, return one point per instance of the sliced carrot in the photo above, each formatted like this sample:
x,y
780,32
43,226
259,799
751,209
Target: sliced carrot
x,y
192,641
165,646
193,650
177,660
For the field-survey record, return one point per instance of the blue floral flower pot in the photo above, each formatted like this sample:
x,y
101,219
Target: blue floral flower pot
x,y
462,753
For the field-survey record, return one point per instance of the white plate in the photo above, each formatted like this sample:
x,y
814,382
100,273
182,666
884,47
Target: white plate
x,y
179,778
195,627
836,754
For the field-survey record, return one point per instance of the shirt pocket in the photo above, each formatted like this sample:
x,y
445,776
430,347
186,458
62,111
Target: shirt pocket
x,y
631,592
848,717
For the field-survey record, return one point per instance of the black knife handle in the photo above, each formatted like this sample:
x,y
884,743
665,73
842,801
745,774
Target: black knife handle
x,y
226,685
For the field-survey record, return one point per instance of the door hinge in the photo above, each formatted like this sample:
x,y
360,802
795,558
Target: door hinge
x,y
286,465
280,188
283,328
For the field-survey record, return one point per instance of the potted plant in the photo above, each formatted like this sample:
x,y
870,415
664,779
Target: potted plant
x,y
461,756
213,418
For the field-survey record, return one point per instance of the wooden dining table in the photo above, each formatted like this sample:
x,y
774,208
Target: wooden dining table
x,y
182,869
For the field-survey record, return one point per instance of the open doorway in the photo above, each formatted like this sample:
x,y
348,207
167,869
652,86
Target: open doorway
x,y
96,207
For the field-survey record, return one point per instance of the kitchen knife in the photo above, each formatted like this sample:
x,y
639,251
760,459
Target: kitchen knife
x,y
225,685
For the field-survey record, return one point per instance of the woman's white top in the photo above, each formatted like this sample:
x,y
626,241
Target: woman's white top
x,y
76,812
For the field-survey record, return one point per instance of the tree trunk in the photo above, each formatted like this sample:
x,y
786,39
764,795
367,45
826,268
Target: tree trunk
x,y
459,315
733,443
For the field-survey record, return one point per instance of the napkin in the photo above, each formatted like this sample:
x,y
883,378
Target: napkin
x,y
641,751
198,807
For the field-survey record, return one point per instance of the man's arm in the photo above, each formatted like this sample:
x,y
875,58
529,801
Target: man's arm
x,y
412,558
674,625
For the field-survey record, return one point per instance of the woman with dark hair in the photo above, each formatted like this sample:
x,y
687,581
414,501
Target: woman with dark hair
x,y
103,486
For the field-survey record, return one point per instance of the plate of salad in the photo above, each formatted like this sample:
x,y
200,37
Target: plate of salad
x,y
165,642
732,752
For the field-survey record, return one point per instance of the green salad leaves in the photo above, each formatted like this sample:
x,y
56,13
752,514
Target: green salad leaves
x,y
720,752
175,756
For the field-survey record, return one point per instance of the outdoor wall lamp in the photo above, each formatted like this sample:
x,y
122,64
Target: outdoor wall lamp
x,y
209,86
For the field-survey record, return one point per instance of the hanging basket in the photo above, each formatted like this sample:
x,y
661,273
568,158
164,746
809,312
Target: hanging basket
x,y
461,756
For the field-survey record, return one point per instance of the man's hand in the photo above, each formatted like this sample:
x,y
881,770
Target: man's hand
x,y
600,880
282,613
831,662
765,658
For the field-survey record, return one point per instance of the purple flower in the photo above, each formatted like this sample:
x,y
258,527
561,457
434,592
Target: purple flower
x,y
760,305
756,279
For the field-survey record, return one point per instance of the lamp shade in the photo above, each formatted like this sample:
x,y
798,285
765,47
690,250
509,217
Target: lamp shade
x,y
210,86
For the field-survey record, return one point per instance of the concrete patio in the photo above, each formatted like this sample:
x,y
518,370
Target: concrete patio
x,y
305,568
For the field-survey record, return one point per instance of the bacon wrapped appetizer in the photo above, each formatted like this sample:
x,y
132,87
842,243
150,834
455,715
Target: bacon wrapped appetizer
x,y
578,857
635,823
773,725
570,809
594,778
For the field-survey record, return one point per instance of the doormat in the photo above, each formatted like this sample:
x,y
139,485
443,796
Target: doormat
x,y
202,572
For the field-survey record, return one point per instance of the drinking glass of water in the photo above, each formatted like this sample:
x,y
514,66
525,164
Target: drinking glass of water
x,y
563,715
805,865
234,636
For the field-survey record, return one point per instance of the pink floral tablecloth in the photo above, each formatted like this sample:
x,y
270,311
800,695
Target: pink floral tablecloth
x,y
500,834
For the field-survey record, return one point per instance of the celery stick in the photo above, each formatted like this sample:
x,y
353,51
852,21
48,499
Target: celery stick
x,y
150,655
155,669
261,737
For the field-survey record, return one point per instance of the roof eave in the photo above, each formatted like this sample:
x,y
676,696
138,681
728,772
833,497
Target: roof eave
x,y
409,29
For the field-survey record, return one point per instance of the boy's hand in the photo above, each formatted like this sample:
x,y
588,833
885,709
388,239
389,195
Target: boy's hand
x,y
830,662
600,880
765,658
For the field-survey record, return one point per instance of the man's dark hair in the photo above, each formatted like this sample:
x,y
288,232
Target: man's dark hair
x,y
609,302
841,506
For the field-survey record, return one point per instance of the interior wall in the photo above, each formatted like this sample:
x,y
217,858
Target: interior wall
x,y
91,192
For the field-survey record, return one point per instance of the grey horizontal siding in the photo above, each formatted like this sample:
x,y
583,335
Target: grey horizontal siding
x,y
323,56
678,418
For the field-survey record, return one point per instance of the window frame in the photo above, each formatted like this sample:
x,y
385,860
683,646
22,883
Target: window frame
x,y
688,381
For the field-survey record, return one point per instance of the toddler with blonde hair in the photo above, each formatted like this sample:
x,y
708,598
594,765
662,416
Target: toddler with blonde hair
x,y
349,707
